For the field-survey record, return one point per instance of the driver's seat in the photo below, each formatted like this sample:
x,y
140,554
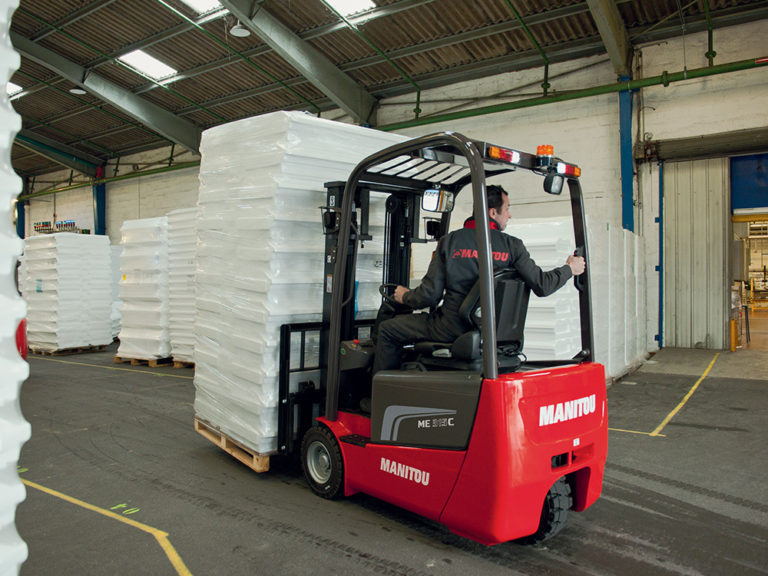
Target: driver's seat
x,y
465,353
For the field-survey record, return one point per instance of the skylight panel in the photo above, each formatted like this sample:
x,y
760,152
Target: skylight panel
x,y
148,65
202,6
12,89
347,7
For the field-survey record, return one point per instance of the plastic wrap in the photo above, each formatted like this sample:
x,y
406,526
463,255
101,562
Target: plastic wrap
x,y
116,251
144,324
14,429
68,291
181,283
260,257
552,326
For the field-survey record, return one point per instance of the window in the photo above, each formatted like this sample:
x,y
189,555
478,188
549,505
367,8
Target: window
x,y
347,7
148,65
202,6
12,89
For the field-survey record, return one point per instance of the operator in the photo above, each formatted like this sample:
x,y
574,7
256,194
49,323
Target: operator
x,y
452,273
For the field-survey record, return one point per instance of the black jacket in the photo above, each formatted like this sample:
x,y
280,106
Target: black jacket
x,y
454,270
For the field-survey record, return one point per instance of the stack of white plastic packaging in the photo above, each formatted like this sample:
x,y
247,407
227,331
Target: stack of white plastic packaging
x,y
116,251
552,328
260,257
67,289
181,283
144,289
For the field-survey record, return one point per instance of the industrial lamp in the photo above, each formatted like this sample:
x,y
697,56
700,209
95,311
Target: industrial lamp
x,y
239,30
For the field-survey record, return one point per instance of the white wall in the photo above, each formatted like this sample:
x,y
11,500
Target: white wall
x,y
723,103
585,131
130,199
148,197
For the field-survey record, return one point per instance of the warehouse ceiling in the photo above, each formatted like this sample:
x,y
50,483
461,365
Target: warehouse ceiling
x,y
299,55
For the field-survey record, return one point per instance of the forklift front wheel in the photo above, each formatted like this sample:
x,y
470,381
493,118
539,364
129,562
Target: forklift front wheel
x,y
322,463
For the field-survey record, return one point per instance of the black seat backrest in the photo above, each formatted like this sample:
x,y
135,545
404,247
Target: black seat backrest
x,y
511,304
512,295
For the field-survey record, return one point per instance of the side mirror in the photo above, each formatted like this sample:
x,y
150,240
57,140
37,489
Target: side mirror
x,y
553,182
435,200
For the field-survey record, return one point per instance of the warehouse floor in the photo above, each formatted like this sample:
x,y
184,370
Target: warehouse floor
x,y
118,482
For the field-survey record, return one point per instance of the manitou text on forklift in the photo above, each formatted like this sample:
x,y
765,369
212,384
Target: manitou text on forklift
x,y
470,433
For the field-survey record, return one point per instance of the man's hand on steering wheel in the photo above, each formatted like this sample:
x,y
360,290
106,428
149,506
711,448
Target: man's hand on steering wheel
x,y
393,294
399,292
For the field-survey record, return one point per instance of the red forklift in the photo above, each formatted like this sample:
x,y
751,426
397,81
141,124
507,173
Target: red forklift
x,y
469,433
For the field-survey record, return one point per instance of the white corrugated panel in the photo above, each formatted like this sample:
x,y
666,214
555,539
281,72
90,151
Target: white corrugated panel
x,y
696,237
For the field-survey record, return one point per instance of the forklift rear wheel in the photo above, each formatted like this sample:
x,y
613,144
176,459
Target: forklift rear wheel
x,y
554,512
322,463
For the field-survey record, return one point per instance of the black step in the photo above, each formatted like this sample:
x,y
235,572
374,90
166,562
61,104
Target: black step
x,y
355,439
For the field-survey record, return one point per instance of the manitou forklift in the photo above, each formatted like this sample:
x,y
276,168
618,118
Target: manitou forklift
x,y
468,433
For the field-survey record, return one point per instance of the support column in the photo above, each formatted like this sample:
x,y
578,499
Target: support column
x,y
99,203
627,164
21,218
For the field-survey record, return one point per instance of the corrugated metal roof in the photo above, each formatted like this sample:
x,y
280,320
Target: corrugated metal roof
x,y
223,78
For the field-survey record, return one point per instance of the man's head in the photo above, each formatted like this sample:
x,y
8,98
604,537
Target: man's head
x,y
498,205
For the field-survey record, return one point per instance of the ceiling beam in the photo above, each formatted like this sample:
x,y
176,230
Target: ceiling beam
x,y
59,153
165,123
614,34
343,90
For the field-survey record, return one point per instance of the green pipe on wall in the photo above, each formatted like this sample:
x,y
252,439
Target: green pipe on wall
x,y
665,79
130,176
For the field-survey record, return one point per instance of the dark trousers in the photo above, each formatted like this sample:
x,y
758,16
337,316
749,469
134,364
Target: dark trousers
x,y
407,329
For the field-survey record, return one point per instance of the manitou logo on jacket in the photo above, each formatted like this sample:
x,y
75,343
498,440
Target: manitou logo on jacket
x,y
469,253
403,471
564,411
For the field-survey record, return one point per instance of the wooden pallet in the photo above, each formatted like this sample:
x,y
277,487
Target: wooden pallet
x,y
151,362
182,364
255,461
64,351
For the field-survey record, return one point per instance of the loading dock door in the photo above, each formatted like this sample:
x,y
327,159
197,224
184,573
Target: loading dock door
x,y
696,233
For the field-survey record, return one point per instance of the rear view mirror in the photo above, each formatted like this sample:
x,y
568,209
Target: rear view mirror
x,y
553,182
434,200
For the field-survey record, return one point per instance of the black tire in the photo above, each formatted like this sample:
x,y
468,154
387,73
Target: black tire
x,y
554,513
322,463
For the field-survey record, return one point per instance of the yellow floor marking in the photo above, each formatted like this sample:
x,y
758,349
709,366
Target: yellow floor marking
x,y
636,432
685,399
160,536
158,374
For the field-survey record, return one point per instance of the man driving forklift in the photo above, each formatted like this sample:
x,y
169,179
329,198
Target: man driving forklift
x,y
450,276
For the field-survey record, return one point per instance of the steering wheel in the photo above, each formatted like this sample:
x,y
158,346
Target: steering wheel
x,y
387,292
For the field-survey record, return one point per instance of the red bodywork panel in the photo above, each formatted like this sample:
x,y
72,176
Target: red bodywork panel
x,y
531,428
21,339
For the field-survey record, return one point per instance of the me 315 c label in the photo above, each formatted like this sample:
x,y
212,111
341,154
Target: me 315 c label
x,y
564,411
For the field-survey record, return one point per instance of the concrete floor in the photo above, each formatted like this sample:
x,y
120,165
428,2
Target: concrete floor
x,y
118,482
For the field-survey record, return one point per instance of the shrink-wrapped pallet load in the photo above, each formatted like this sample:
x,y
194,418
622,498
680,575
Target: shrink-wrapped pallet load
x,y
144,289
552,328
181,283
67,289
260,248
116,251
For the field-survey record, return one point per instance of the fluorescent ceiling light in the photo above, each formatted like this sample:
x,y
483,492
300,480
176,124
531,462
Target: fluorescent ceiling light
x,y
347,7
147,64
12,89
202,6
